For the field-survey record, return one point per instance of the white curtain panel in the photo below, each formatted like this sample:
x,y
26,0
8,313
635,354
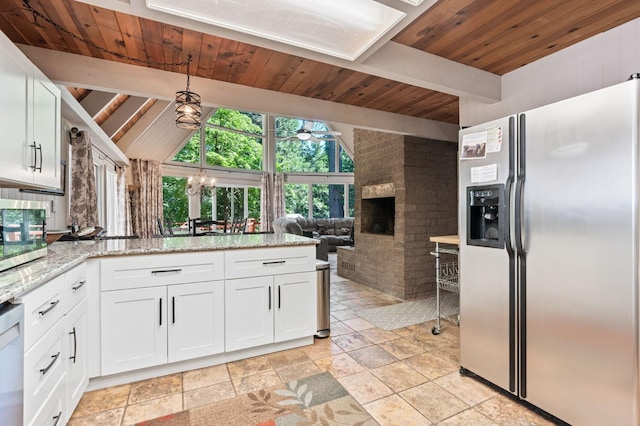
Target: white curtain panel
x,y
124,207
265,203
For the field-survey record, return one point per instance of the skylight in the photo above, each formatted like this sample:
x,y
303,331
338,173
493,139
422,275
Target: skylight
x,y
344,29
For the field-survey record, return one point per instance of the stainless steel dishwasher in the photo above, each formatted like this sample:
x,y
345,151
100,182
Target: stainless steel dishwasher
x,y
11,363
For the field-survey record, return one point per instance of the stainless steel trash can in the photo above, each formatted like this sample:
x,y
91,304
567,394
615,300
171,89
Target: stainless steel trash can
x,y
324,296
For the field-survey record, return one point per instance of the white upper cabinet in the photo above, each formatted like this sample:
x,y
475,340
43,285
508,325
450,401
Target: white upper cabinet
x,y
30,119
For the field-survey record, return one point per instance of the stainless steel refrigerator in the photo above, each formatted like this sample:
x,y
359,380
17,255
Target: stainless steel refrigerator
x,y
548,267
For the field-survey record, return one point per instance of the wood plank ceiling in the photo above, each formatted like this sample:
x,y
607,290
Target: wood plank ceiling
x,y
497,36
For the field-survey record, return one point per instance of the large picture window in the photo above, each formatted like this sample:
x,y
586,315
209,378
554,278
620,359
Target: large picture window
x,y
231,146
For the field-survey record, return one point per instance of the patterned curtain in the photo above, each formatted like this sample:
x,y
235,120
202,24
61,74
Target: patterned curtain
x,y
124,207
278,196
265,203
84,202
146,200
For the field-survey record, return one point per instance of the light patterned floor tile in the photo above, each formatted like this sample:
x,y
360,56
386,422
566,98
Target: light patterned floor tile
x,y
365,387
395,411
203,377
399,376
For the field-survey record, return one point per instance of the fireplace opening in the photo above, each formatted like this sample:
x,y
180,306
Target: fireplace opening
x,y
378,215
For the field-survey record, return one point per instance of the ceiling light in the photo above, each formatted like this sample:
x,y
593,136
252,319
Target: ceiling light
x,y
304,135
196,184
332,27
188,109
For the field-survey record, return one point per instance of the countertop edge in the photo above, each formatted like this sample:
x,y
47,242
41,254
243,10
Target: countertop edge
x,y
63,256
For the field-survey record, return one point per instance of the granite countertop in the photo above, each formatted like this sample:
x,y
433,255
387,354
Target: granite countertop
x,y
62,256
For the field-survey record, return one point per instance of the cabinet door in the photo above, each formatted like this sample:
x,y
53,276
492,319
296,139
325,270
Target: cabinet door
x,y
14,79
77,333
196,320
46,134
295,310
134,329
44,371
248,312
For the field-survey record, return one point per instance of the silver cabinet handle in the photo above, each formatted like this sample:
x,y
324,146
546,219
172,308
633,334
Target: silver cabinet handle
x,y
75,345
46,311
53,361
275,262
79,285
161,311
279,297
269,297
40,149
167,271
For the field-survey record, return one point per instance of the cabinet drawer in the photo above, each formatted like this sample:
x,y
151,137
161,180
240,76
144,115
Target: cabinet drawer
x,y
43,307
53,410
44,367
76,285
269,261
121,273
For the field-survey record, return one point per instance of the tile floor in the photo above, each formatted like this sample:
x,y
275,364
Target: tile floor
x,y
405,376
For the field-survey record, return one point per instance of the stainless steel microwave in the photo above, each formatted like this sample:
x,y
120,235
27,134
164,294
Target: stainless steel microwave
x,y
22,232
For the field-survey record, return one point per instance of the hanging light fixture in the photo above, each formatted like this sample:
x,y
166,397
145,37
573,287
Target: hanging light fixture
x,y
196,184
188,110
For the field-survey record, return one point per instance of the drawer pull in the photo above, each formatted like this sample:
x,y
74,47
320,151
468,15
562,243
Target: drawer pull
x,y
80,285
57,419
53,361
52,305
167,271
75,345
275,262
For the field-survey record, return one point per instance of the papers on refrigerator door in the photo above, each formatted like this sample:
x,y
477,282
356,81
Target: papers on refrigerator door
x,y
478,145
487,173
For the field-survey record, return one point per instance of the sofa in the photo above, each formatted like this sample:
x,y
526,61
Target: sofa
x,y
331,233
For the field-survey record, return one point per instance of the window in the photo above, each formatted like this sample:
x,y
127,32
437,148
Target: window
x,y
235,141
176,203
296,199
315,155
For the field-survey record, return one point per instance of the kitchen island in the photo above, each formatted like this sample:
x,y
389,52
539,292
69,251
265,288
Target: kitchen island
x,y
102,313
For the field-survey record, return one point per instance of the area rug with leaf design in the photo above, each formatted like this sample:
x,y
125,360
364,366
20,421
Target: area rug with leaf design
x,y
314,400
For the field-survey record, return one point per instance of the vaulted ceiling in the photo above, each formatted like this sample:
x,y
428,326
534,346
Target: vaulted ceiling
x,y
441,51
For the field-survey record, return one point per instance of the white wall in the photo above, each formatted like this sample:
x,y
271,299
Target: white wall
x,y
600,61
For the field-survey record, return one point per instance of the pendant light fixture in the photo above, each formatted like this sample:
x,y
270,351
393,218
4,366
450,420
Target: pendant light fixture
x,y
197,184
188,109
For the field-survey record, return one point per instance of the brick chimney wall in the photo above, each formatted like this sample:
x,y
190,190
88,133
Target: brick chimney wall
x,y
424,173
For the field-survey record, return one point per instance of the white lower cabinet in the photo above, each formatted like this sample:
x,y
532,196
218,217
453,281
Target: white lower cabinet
x,y
149,326
134,333
196,326
45,371
56,357
249,312
270,309
77,338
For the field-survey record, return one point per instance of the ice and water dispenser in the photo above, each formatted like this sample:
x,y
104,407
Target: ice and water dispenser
x,y
487,220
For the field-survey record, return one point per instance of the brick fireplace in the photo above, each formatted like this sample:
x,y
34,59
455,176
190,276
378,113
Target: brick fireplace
x,y
406,191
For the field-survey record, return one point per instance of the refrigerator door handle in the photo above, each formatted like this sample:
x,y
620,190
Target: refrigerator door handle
x,y
512,257
522,258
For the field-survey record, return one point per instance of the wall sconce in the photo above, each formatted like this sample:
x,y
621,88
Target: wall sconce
x,y
188,109
196,184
